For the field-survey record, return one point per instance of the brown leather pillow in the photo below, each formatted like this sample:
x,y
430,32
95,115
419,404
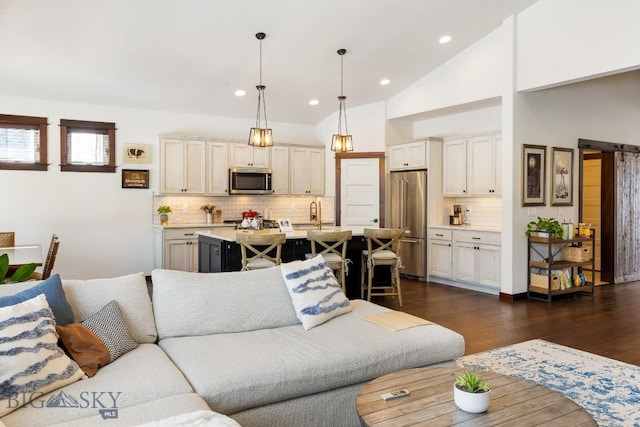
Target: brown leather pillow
x,y
84,347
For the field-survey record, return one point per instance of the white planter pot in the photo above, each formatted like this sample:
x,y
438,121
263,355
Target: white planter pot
x,y
474,403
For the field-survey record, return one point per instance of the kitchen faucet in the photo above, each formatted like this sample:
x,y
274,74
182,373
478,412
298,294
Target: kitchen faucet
x,y
318,216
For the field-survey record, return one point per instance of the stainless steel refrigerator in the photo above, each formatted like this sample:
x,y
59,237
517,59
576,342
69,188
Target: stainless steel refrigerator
x,y
409,211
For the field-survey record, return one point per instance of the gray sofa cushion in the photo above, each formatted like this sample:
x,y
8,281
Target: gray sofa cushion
x,y
87,297
237,371
193,304
143,375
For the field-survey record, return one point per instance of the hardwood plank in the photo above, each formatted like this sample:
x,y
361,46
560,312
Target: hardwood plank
x,y
607,324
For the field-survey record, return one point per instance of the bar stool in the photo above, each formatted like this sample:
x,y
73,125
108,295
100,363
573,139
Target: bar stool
x,y
383,245
333,248
259,247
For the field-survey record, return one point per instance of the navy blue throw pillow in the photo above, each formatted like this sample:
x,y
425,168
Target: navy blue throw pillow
x,y
52,290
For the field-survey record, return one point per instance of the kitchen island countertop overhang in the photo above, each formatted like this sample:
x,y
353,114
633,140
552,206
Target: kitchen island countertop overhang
x,y
230,235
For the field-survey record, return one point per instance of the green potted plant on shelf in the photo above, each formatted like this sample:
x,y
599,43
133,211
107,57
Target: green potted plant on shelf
x,y
164,211
20,275
545,227
471,393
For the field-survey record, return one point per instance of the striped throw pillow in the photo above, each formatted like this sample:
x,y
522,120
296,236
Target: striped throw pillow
x,y
316,295
31,363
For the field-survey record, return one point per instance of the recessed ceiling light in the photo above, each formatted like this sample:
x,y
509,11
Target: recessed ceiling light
x,y
240,92
445,39
314,102
384,82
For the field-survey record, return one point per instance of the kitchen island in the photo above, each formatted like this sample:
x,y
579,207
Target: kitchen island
x,y
218,251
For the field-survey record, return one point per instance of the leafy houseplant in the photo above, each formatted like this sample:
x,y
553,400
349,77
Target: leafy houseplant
x,y
20,275
163,211
546,225
471,393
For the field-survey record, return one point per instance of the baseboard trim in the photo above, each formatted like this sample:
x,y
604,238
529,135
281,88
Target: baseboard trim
x,y
512,298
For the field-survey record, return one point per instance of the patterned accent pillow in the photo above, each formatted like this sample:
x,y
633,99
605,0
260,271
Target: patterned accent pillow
x,y
56,298
31,363
98,340
316,295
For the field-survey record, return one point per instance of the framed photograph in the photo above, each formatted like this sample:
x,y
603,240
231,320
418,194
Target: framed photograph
x,y
562,176
534,158
135,178
285,225
136,153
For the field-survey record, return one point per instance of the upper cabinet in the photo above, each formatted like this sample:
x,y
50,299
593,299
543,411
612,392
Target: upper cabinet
x,y
182,164
244,155
411,155
217,169
472,167
280,169
306,171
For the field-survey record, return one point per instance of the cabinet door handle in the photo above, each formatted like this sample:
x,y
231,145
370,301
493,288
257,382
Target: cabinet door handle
x,y
188,234
477,238
439,235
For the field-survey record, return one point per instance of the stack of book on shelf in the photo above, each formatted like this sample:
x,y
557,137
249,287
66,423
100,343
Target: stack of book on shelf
x,y
560,279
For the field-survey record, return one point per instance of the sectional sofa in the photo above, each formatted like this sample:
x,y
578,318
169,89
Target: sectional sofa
x,y
232,344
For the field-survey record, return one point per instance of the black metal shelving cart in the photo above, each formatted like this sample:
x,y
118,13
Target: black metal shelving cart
x,y
548,260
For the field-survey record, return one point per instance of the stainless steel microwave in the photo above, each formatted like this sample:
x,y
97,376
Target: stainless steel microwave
x,y
250,181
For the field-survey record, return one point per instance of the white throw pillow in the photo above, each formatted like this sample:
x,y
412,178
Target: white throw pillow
x,y
31,363
316,295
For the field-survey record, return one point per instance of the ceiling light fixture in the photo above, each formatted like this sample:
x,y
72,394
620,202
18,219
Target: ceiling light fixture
x,y
314,102
261,136
384,82
240,92
445,39
342,141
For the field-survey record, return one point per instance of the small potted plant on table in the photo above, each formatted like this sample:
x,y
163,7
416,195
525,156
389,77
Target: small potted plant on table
x,y
545,227
164,211
471,393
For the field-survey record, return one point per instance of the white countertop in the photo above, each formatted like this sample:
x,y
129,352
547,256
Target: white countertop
x,y
178,226
230,235
494,229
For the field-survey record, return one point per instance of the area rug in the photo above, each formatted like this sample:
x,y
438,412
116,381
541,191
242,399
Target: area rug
x,y
607,389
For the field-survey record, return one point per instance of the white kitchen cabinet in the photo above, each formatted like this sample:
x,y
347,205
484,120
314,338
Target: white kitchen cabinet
x,y
182,167
280,169
217,169
472,166
410,155
177,249
484,166
440,253
306,171
476,257
454,160
244,155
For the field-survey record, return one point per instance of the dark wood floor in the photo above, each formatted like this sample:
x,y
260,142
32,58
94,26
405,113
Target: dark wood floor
x,y
607,324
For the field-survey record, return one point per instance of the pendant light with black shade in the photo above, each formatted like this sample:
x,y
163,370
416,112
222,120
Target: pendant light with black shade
x,y
342,142
261,136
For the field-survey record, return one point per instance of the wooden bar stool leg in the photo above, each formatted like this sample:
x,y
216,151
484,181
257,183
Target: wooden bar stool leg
x,y
371,267
362,272
397,276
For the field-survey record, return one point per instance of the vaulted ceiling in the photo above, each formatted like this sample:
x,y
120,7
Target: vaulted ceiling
x,y
191,56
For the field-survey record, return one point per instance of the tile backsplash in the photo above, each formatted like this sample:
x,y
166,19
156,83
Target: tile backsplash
x,y
485,212
187,209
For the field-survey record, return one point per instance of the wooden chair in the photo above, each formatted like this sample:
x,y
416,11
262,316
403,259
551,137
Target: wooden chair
x,y
257,249
333,248
383,245
7,239
49,261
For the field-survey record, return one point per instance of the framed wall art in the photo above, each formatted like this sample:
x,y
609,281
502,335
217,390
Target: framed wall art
x,y
562,176
135,178
533,172
136,153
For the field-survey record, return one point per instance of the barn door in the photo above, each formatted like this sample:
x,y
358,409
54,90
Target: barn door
x,y
628,217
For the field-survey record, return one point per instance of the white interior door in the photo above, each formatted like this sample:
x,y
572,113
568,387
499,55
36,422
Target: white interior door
x,y
360,193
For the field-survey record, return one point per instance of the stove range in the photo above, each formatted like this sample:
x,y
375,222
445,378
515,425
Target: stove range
x,y
266,223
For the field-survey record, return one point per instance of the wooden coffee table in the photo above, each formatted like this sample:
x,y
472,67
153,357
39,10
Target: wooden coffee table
x,y
513,402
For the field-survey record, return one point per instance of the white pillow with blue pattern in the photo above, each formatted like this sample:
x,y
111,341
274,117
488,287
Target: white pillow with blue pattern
x,y
316,295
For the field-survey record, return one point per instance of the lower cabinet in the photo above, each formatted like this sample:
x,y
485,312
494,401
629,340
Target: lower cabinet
x,y
466,256
176,249
440,253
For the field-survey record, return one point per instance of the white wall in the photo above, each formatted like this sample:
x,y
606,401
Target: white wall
x,y
466,123
104,230
474,74
604,109
570,40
